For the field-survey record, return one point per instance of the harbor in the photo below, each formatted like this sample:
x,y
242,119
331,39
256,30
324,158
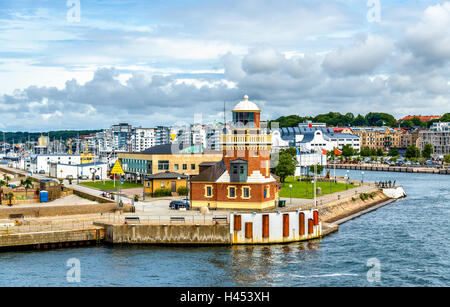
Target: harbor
x,y
390,233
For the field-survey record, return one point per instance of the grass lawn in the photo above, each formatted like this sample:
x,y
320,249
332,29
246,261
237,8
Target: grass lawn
x,y
303,189
109,185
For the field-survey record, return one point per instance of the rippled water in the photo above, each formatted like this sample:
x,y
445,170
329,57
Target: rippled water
x,y
408,237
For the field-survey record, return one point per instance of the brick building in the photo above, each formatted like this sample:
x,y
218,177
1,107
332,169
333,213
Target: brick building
x,y
242,179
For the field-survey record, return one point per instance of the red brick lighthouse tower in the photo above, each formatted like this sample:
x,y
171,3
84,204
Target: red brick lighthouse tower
x,y
242,180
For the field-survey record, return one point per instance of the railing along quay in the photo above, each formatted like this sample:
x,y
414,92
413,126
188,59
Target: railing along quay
x,y
165,219
401,169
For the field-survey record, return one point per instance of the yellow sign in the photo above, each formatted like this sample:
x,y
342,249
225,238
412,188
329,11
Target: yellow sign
x,y
117,169
172,136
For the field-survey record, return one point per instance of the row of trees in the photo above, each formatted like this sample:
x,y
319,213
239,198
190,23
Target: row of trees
x,y
22,137
335,119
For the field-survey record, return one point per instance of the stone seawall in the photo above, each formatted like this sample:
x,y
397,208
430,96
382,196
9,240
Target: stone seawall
x,y
166,234
53,238
56,210
340,209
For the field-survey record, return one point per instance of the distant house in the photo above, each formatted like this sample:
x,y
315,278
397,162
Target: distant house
x,y
422,118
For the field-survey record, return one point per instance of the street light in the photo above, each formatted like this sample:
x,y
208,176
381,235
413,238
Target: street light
x,y
290,186
362,177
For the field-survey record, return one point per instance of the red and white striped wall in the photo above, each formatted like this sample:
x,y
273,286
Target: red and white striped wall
x,y
278,227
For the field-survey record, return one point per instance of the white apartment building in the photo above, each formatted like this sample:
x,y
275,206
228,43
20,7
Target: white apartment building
x,y
439,137
142,139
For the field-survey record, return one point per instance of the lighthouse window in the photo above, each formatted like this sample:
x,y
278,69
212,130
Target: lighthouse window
x,y
241,169
235,169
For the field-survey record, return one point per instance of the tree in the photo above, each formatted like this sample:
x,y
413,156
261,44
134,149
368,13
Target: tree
x,y
286,165
393,152
10,197
380,152
2,183
318,168
427,151
27,184
447,158
347,150
412,152
360,121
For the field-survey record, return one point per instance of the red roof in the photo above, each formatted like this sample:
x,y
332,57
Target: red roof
x,y
422,118
340,129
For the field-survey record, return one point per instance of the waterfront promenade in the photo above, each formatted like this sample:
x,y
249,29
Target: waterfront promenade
x,y
386,168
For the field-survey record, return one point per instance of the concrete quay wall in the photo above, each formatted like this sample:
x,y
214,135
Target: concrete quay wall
x,y
51,238
166,234
401,169
56,210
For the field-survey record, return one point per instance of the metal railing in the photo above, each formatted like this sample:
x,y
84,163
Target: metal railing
x,y
33,228
166,219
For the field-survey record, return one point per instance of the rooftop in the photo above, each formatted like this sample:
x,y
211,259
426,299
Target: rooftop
x,y
246,105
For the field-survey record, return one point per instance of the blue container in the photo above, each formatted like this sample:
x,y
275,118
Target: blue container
x,y
43,196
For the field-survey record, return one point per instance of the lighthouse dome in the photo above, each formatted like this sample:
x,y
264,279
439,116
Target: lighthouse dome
x,y
245,106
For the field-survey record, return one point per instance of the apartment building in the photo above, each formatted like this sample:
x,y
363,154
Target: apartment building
x,y
382,138
439,137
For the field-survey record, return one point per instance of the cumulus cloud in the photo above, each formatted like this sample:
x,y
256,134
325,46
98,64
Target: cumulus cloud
x,y
366,54
430,38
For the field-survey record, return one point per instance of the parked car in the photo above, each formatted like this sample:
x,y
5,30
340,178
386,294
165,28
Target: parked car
x,y
177,204
84,177
186,202
69,177
41,171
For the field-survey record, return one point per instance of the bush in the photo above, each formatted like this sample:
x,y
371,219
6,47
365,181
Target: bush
x,y
162,192
363,196
183,191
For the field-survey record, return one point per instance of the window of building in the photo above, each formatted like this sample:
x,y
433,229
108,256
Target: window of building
x,y
184,166
208,191
176,167
162,184
192,166
163,165
231,192
246,192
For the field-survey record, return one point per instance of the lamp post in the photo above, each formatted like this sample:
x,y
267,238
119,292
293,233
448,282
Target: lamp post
x,y
362,177
290,186
346,181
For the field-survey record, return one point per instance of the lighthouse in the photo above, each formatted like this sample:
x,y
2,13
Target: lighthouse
x,y
242,180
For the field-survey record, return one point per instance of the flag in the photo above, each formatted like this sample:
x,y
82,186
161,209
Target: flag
x,y
310,125
337,152
324,152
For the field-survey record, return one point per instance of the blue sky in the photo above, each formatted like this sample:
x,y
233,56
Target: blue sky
x,y
161,62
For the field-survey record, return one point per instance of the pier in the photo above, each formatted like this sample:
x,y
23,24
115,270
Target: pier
x,y
385,168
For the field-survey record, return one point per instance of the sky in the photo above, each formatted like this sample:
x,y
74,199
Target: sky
x,y
88,64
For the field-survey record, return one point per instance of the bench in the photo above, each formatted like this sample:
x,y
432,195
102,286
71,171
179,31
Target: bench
x,y
220,219
16,216
132,219
177,219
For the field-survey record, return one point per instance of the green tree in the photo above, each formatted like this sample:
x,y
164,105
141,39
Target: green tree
x,y
27,184
380,119
393,152
427,151
286,165
319,168
2,183
360,121
380,152
447,158
347,150
412,152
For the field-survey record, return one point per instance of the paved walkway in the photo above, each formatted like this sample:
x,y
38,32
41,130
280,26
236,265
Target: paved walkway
x,y
328,197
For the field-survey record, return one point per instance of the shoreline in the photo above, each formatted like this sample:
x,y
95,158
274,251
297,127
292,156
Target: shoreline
x,y
395,169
